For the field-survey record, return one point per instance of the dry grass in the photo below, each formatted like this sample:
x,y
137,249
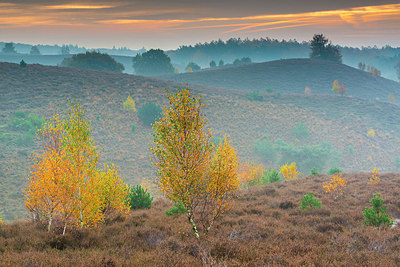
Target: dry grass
x,y
264,227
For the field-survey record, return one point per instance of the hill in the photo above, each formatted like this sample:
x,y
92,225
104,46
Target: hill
x,y
264,227
292,76
41,91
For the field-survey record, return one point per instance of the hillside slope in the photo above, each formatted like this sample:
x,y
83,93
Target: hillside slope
x,y
264,227
44,91
292,76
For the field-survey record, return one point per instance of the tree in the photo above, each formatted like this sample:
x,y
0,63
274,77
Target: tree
x,y
321,48
189,169
66,182
335,86
9,48
221,63
213,64
193,66
34,50
152,62
65,50
342,90
93,61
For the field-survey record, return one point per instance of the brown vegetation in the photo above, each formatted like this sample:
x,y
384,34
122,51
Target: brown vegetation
x,y
264,227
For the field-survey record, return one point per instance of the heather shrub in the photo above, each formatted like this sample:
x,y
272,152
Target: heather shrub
x,y
139,198
266,150
176,210
309,201
149,113
376,215
334,171
271,176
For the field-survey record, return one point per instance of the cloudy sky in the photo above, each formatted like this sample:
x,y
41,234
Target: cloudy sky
x,y
167,24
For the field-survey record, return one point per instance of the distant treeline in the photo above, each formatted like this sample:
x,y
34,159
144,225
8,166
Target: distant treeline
x,y
72,49
267,49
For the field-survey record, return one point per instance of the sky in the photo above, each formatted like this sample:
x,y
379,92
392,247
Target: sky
x,y
168,24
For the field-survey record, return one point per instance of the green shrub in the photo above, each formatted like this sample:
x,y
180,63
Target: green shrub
x,y
22,64
139,198
265,150
133,128
314,171
176,210
300,131
149,113
20,114
309,202
307,157
334,171
269,90
376,215
271,176
255,96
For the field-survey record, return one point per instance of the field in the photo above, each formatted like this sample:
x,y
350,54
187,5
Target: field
x,y
263,227
293,76
43,91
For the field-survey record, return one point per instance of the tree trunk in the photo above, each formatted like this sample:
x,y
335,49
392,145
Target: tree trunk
x,y
65,227
196,233
50,220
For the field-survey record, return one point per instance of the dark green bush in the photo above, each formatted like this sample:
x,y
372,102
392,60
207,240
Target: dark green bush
x,y
176,210
314,171
271,176
376,215
133,128
139,198
266,150
22,64
309,202
149,113
93,61
334,171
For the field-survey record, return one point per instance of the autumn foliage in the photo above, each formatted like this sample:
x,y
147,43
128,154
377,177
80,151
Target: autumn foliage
x,y
336,185
374,179
289,172
250,174
190,170
129,104
66,183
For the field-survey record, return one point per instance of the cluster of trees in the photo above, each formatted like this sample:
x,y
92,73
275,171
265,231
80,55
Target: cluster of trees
x,y
94,61
152,62
371,69
67,185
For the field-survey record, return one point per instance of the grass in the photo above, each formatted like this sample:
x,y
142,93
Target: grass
x,y
263,227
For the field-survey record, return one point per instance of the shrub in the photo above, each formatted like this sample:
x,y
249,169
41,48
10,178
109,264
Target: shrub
x,y
139,198
300,131
314,171
149,113
376,215
133,129
176,210
309,202
271,176
22,64
289,172
265,150
250,175
375,177
335,185
334,171
129,104
308,157
255,96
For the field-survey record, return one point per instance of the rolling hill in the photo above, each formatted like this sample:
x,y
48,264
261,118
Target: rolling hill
x,y
45,90
293,76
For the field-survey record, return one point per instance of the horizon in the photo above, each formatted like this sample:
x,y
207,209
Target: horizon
x,y
168,25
